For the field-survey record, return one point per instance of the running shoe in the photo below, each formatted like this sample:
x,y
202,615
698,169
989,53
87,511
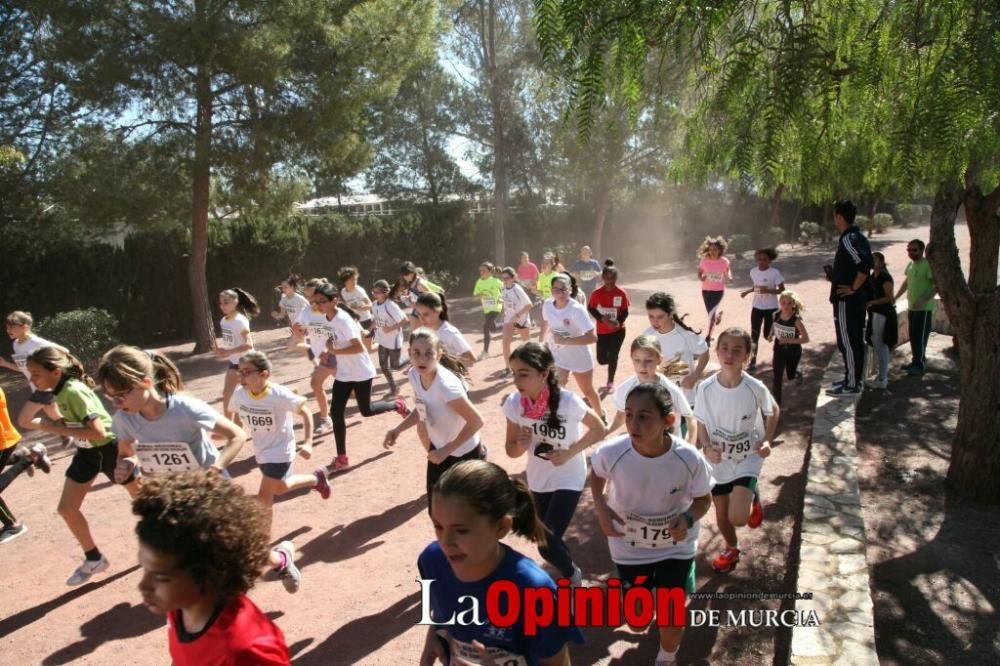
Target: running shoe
x,y
12,532
507,373
322,484
23,455
756,512
340,463
325,426
844,391
484,355
838,383
401,408
290,575
664,660
915,370
86,570
880,384
306,450
726,560
40,457
718,317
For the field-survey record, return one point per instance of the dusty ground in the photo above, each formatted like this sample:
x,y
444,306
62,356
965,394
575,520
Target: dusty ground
x,y
359,600
932,558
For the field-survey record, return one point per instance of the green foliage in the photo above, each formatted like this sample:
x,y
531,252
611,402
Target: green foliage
x,y
773,237
810,232
913,214
739,244
865,224
881,222
86,333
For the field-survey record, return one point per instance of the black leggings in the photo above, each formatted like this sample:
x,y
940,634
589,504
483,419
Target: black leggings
x,y
711,298
609,346
556,510
489,324
6,478
388,360
758,317
786,359
338,406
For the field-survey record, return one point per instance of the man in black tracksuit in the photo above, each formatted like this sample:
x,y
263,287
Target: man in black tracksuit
x,y
848,293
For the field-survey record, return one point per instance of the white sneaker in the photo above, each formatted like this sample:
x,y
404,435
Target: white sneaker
x,y
11,533
576,580
325,426
290,576
663,660
88,569
880,384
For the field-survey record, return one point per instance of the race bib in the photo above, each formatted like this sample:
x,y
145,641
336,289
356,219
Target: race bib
x,y
616,301
227,339
784,332
649,531
21,361
81,443
587,276
760,290
490,303
714,277
421,411
468,653
608,312
164,457
318,332
259,420
734,447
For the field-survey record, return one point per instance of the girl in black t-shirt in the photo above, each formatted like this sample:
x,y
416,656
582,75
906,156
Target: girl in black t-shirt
x,y
789,334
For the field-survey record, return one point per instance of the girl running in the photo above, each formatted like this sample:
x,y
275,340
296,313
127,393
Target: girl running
x,y
735,440
546,422
312,323
659,493
677,340
609,306
411,285
572,334
266,410
357,300
714,273
24,343
84,418
447,423
21,460
646,359
587,270
202,544
292,303
432,311
516,313
355,371
543,285
489,288
527,274
789,335
389,323
474,505
236,305
768,282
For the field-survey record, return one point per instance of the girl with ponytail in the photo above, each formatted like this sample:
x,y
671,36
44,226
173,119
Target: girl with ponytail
x,y
474,505
447,423
432,311
678,341
85,419
547,422
236,305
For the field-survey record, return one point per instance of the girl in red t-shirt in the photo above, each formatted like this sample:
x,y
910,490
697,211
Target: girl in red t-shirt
x,y
609,305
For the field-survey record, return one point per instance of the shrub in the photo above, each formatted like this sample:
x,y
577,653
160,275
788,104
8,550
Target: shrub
x,y
810,232
773,237
865,224
881,222
86,333
738,244
913,214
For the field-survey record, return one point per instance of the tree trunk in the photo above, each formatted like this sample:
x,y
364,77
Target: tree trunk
x,y
201,313
499,142
973,307
601,207
775,221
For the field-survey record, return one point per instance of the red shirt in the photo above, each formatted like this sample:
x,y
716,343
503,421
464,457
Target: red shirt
x,y
612,302
239,635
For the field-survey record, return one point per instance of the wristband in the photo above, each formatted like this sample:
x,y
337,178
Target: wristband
x,y
690,519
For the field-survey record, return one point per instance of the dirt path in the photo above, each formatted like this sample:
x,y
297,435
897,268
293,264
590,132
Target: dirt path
x,y
359,600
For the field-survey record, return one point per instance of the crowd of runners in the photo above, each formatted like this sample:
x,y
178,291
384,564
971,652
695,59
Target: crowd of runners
x,y
691,441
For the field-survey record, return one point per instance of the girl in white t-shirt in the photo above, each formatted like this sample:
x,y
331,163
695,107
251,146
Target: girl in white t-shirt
x,y
735,440
291,304
678,341
389,322
768,282
572,333
267,411
659,492
355,370
356,298
548,423
646,359
516,312
447,423
432,312
311,326
236,305
24,342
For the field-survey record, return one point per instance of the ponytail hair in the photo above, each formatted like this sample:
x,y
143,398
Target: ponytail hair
x,y
330,292
610,268
381,285
452,363
315,283
293,281
53,358
434,301
490,491
123,368
346,273
257,359
245,302
539,357
664,301
20,318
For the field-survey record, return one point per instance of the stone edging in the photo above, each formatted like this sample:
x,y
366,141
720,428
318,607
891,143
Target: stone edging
x,y
832,562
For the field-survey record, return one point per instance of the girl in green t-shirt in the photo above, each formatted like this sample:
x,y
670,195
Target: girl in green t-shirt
x,y
489,288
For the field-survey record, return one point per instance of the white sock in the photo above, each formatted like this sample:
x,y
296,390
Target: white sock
x,y
669,656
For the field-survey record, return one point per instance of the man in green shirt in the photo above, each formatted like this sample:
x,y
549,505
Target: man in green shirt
x,y
920,290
